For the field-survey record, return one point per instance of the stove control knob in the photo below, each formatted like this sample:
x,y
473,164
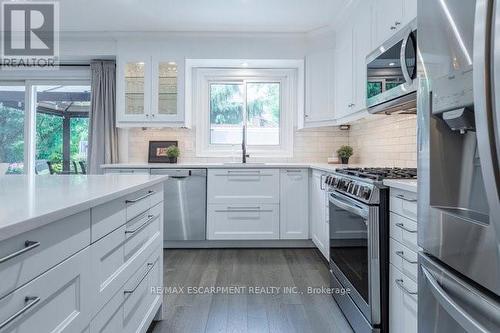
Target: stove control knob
x,y
365,192
350,188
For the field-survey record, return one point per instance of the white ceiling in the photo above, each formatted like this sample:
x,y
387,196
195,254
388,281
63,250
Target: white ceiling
x,y
198,15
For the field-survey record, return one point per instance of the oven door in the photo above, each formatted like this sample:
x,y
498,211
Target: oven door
x,y
354,252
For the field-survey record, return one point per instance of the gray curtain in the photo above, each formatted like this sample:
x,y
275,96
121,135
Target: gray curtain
x,y
103,135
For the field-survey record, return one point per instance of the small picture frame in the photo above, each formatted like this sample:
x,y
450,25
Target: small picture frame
x,y
158,152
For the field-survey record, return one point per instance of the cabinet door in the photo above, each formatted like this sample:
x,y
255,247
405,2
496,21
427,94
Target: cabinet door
x,y
402,302
388,15
60,300
409,11
318,212
165,97
362,46
133,88
294,212
320,91
344,73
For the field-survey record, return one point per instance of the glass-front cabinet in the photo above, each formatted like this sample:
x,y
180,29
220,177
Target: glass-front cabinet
x,y
147,92
164,104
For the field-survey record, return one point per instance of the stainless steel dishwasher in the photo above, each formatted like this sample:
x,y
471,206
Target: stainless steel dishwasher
x,y
185,203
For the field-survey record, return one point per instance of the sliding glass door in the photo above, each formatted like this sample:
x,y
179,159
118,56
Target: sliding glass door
x,y
12,120
62,113
44,131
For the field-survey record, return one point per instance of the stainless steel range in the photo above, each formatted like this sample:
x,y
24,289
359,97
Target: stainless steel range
x,y
359,243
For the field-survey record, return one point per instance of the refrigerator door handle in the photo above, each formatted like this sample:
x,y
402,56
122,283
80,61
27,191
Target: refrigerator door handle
x,y
452,308
484,107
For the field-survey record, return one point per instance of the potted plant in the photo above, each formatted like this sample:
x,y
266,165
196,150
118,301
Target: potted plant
x,y
344,153
172,153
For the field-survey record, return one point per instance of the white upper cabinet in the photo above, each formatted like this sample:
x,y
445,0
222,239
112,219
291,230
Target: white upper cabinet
x,y
133,86
344,80
320,98
362,46
390,16
147,91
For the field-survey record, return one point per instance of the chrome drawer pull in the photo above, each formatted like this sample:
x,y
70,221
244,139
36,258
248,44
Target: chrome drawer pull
x,y
402,256
29,245
32,302
402,226
399,282
150,218
402,197
246,208
140,198
150,267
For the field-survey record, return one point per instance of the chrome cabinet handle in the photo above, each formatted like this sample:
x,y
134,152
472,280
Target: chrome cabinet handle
x,y
393,27
400,284
402,226
397,23
401,254
28,246
402,197
30,301
150,218
140,198
150,267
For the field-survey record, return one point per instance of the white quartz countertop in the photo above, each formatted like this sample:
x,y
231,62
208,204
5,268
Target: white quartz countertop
x,y
317,166
28,202
402,184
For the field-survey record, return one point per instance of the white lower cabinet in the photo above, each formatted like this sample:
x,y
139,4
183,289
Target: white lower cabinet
x,y
243,221
319,227
402,302
403,262
68,284
132,308
294,204
60,300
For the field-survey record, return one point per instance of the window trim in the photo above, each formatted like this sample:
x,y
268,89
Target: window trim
x,y
203,77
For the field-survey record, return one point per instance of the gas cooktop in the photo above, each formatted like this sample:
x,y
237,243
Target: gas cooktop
x,y
379,174
365,184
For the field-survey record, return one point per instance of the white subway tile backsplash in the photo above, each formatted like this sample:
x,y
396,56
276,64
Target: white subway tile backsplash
x,y
377,140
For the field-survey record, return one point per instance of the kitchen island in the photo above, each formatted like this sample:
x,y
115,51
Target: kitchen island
x,y
80,253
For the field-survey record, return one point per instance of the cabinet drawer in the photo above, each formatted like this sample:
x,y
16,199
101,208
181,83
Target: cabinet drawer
x,y
109,216
243,222
403,203
57,301
243,186
140,201
133,305
28,255
402,302
127,171
404,259
404,231
117,255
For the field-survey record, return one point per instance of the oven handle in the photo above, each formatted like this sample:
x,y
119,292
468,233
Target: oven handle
x,y
348,204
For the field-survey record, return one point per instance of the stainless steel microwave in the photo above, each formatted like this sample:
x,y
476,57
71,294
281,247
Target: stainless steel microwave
x,y
391,73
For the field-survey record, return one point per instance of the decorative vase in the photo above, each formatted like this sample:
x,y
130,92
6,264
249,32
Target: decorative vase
x,y
345,160
172,160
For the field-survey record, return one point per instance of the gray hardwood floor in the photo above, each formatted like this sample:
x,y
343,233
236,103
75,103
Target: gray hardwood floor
x,y
249,310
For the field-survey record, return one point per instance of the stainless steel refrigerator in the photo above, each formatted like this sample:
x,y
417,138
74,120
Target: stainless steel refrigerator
x,y
458,158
